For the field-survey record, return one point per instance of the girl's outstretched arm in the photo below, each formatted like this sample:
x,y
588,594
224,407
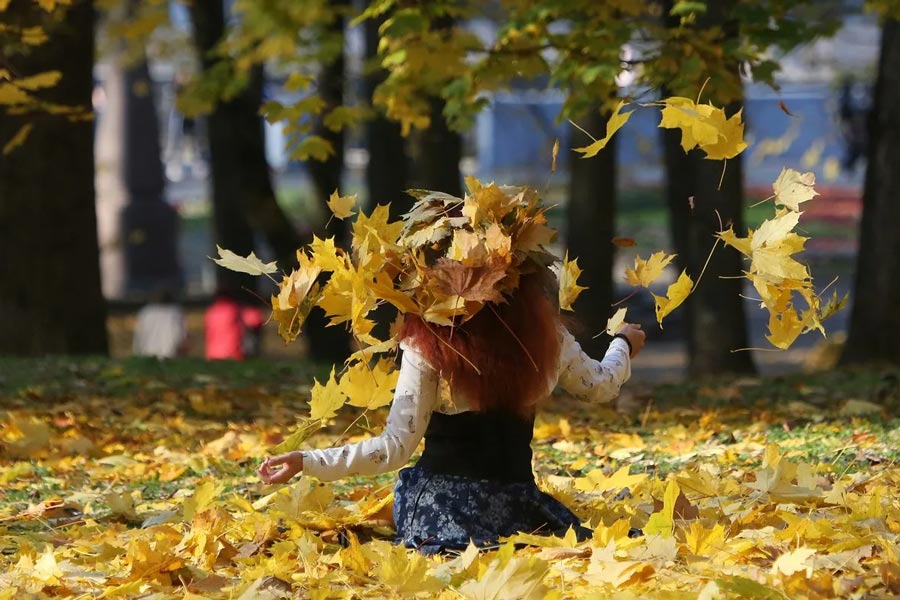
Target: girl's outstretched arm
x,y
414,399
599,381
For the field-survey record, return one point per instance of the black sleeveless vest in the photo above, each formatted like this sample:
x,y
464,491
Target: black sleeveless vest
x,y
489,445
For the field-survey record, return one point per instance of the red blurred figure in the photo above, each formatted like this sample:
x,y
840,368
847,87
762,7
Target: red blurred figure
x,y
233,328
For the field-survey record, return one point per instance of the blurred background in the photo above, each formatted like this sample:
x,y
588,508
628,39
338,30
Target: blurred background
x,y
231,122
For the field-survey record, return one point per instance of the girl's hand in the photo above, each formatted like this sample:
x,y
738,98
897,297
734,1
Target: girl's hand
x,y
635,337
279,469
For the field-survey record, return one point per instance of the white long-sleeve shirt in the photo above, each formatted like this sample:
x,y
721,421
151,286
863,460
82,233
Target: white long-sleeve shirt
x,y
417,395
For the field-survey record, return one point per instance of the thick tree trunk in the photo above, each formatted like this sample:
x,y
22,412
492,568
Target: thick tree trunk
x,y
231,228
50,298
329,344
714,312
591,227
874,334
440,150
243,197
387,169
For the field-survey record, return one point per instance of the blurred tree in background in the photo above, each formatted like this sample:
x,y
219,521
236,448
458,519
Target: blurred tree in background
x,y
874,333
50,300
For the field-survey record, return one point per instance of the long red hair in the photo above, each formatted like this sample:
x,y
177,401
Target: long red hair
x,y
514,345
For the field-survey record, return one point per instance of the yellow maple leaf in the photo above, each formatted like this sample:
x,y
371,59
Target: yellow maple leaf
x,y
616,321
341,206
466,247
795,561
383,287
692,119
675,295
792,188
326,399
597,481
249,264
700,541
741,244
731,138
663,522
519,578
647,271
406,572
497,242
376,228
615,122
370,387
704,125
205,493
784,328
568,283
325,254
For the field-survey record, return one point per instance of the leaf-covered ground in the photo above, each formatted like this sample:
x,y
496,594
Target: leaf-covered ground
x,y
136,479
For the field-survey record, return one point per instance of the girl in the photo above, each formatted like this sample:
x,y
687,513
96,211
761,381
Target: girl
x,y
474,480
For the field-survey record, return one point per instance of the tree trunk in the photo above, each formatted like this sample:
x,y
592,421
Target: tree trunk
x,y
50,298
243,197
714,312
329,344
440,150
231,229
874,334
591,227
386,171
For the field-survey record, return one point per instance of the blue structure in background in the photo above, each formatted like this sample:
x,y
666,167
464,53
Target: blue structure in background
x,y
515,135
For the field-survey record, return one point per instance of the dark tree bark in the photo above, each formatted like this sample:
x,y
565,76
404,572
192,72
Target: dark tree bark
x,y
874,334
591,226
243,197
714,312
231,228
50,298
387,169
329,344
440,152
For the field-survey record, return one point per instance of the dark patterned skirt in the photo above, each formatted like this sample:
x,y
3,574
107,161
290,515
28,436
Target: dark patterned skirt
x,y
435,512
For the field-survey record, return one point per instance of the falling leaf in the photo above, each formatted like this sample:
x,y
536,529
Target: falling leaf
x,y
647,271
341,206
615,322
249,264
553,155
705,126
615,122
569,289
18,139
623,242
784,109
675,295
793,188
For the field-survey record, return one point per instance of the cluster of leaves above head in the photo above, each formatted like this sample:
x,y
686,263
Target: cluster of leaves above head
x,y
443,261
23,29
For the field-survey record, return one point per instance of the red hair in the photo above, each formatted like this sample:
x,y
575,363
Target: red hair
x,y
515,346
